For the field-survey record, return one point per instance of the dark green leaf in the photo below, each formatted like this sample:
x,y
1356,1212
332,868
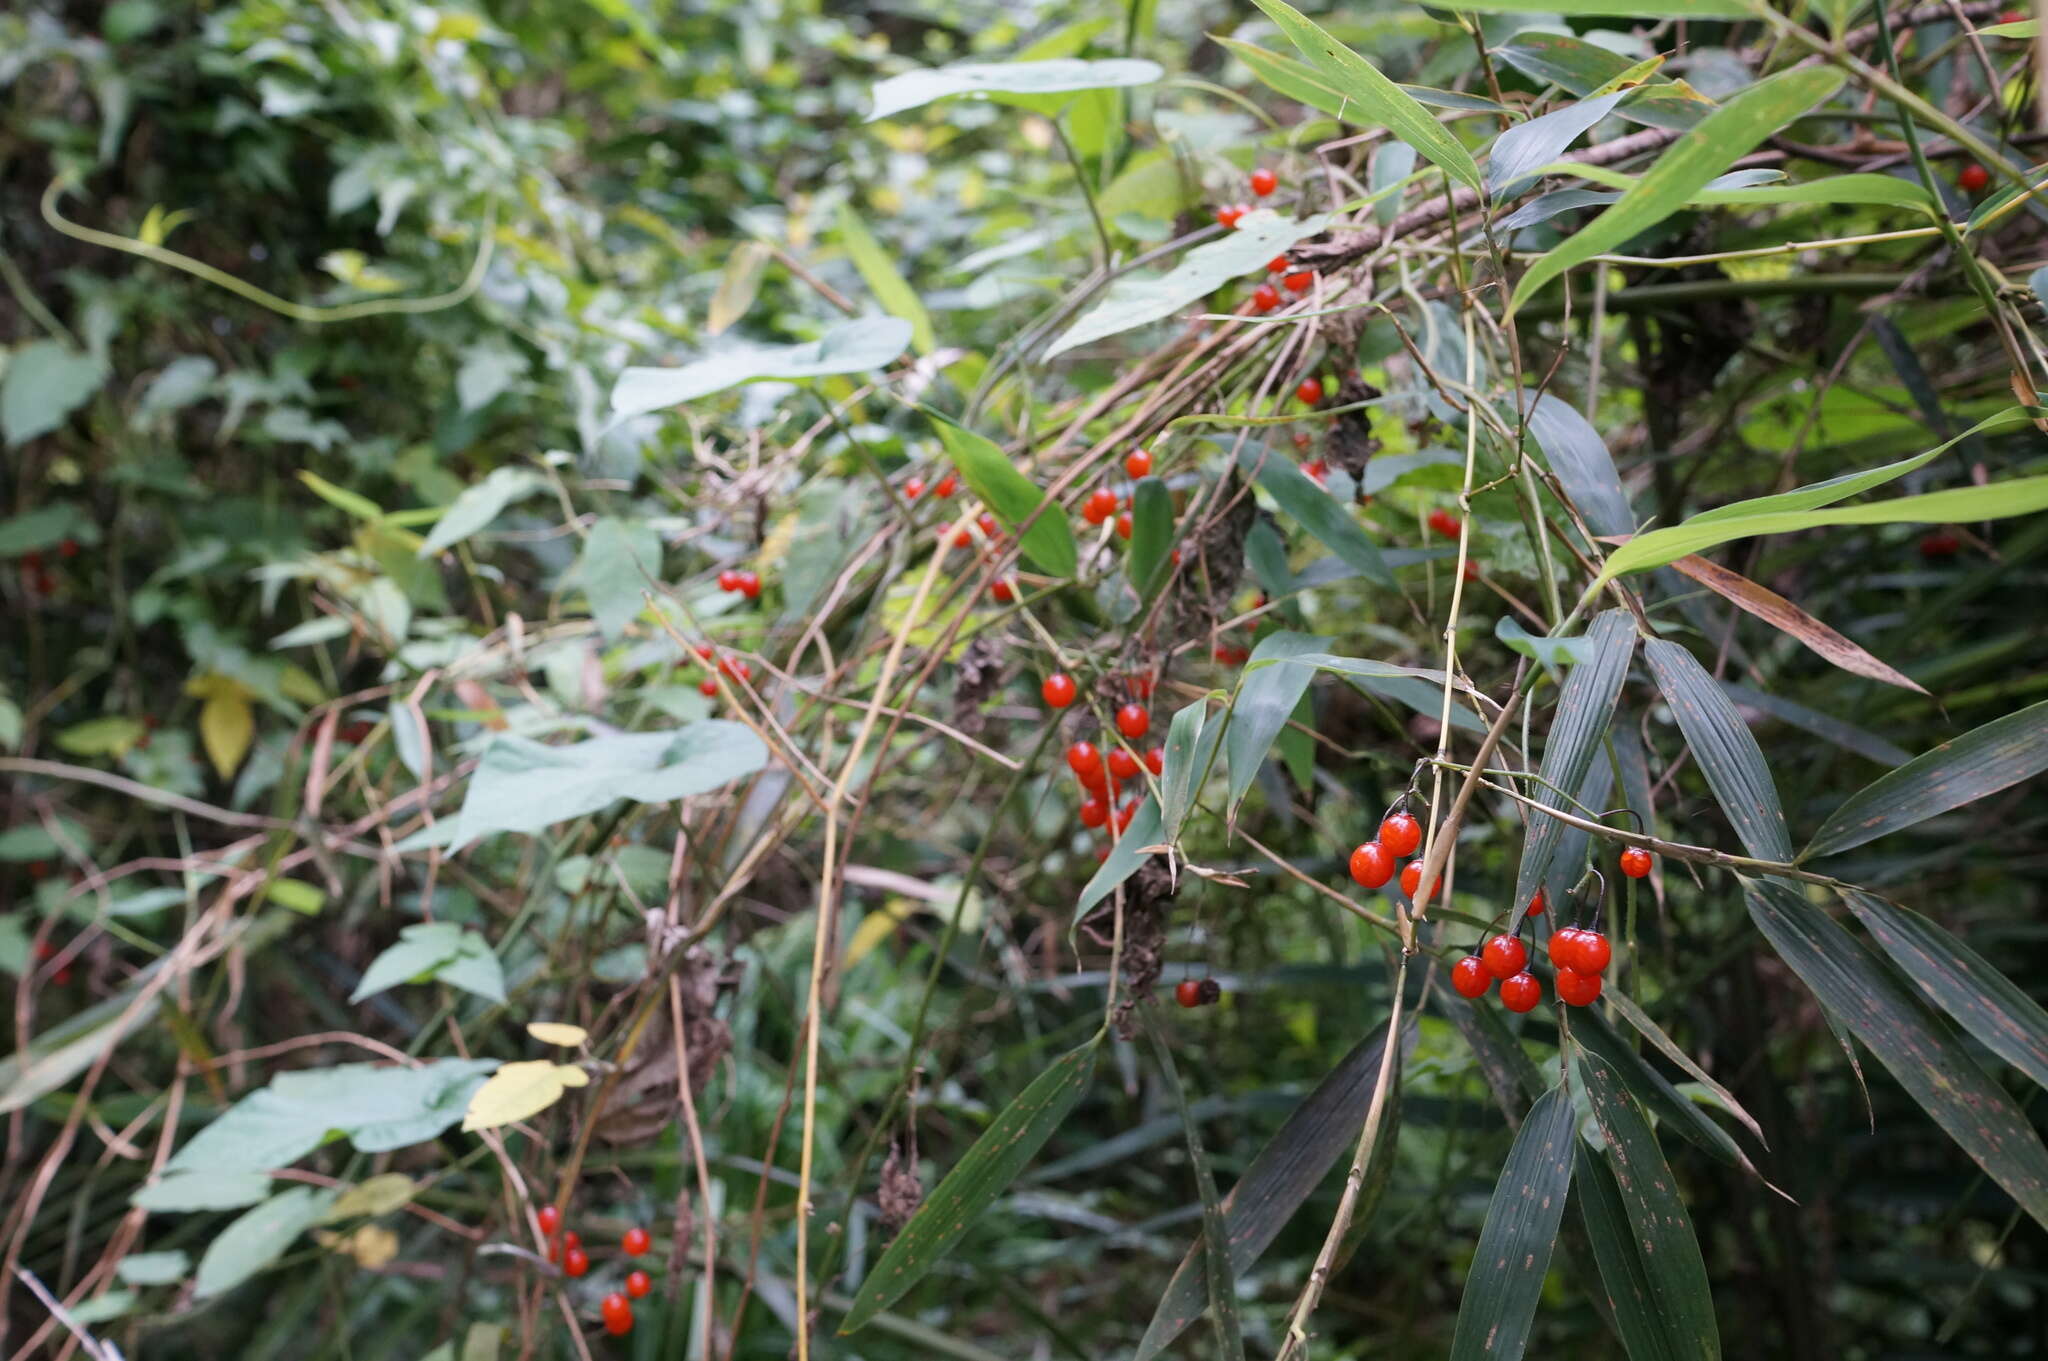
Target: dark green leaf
x,y
1725,749
1596,1036
1013,497
1124,857
1933,1068
1579,457
1151,534
1514,1248
1527,147
1265,697
1962,770
1010,1141
1825,726
1184,758
1221,1279
1622,1275
1315,510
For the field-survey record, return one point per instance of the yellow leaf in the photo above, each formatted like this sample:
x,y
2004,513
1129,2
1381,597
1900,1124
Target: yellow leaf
x,y
737,285
877,927
518,1090
379,1195
294,683
373,1246
227,722
556,1032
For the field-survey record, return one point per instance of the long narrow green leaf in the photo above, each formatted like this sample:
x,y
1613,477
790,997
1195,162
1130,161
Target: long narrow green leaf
x,y
1622,1274
1724,747
1222,1280
1680,1298
1304,84
1650,1088
1625,1007
1376,99
1584,708
1265,697
1933,1068
1315,510
1723,137
1012,496
884,280
1521,1229
1181,774
1962,770
1961,982
1124,857
1624,9
1010,1141
1151,535
1281,1176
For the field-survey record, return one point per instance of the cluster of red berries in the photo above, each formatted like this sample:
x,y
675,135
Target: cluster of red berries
x,y
35,574
1580,955
1104,773
739,582
1445,523
567,1247
1372,864
734,668
1197,992
943,488
1264,182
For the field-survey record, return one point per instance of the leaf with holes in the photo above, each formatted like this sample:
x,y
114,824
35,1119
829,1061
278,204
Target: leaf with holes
x,y
1724,747
1514,1247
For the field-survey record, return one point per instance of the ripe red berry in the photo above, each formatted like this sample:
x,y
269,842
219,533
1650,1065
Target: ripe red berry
x,y
1577,989
1123,764
1122,817
735,667
1188,992
1265,298
1059,690
1505,956
68,548
636,1242
1123,524
1278,265
62,977
575,1261
986,523
1299,281
750,585
1444,523
1002,592
708,686
705,651
1372,864
1537,904
1155,761
1264,181
1100,505
1940,544
1229,214
946,486
1469,977
1133,722
1973,178
1635,862
1521,992
550,1217
31,561
1593,953
1083,757
1094,812
1400,833
728,580
2011,16
1141,684
638,1284
1310,391
618,1314
912,489
1138,462
572,1239
1318,471
1411,880
1564,946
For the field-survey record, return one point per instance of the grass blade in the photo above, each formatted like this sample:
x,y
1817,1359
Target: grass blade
x,y
1514,1248
1724,747
1222,1280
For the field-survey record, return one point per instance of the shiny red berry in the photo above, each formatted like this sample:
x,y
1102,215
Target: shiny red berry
x,y
618,1314
750,585
1973,179
1100,505
1083,757
1265,298
1372,864
986,523
1002,592
1123,525
572,1239
1318,471
1635,862
1155,761
1123,764
62,977
737,668
1521,992
1564,946
707,686
1505,956
1411,880
1188,992
1576,989
636,1242
1059,690
1264,181
1537,904
638,1284
1302,440
1469,977
1278,265
1310,391
1299,281
729,580
1400,833
1094,812
1444,523
1122,817
1138,462
575,1261
913,489
1229,214
550,1217
1593,953
1133,722
945,487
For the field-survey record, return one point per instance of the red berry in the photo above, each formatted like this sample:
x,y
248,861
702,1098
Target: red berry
x,y
1372,864
1469,977
1094,812
617,1321
1123,525
1577,989
1188,992
1973,178
1100,505
1265,298
1940,544
1564,946
1155,761
946,486
1504,956
986,523
1002,592
2011,16
572,1239
1264,181
1299,281
1400,833
1635,862
575,1261
46,950
1310,392
735,668
1521,992
68,548
1059,690
62,976
1444,523
728,580
913,489
550,1217
1302,440
1411,879
636,1242
705,651
1318,471
1141,684
638,1283
1138,462
1471,570
750,585
1122,764
1229,213
1122,817
1082,757
1278,265
1593,953
707,686
1133,722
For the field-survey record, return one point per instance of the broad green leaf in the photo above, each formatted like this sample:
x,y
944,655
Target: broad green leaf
x,y
1182,769
1315,510
519,1090
1513,1252
1264,700
1125,855
109,736
884,280
1363,667
153,1268
914,88
620,563
33,841
182,1192
1673,1270
1933,1068
1134,300
258,1238
526,786
1961,770
1725,749
1579,457
1151,534
1013,497
1218,1273
479,505
1012,1139
1623,1277
1373,98
1390,165
1961,982
1509,1072
44,382
431,950
1280,1178
1585,706
1524,148
1730,132
857,346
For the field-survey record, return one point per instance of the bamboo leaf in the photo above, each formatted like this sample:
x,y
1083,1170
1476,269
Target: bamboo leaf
x,y
1789,619
1584,709
1724,747
1521,1229
1316,511
1010,1141
1826,726
1649,1087
1012,496
1961,982
1579,457
1729,133
1259,711
1962,770
1215,1244
1935,1070
1625,1007
1623,1276
1676,1276
1186,756
1129,852
1527,147
1625,9
1151,535
1304,84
